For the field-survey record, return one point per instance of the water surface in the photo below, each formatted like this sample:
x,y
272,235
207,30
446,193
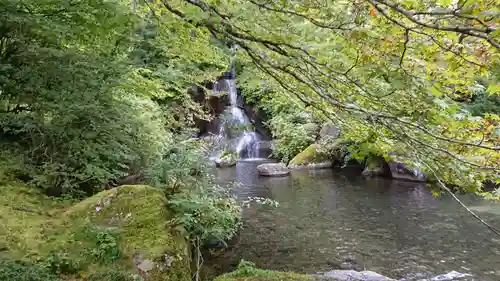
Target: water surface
x,y
328,220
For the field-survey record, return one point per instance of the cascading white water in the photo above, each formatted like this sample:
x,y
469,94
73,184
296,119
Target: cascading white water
x,y
245,142
235,131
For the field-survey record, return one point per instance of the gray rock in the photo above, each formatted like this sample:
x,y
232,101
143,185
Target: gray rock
x,y
146,266
351,275
329,130
273,169
400,171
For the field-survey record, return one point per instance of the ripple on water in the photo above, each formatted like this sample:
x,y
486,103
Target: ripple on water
x,y
326,219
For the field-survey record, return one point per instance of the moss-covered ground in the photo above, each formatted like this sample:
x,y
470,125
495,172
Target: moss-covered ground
x,y
254,274
106,236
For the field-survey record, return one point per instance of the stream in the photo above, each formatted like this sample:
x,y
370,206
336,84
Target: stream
x,y
335,220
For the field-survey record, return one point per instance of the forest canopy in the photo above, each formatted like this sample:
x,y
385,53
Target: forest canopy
x,y
393,72
92,91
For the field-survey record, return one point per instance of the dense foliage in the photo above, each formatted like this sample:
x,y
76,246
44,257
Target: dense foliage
x,y
394,69
94,91
14,270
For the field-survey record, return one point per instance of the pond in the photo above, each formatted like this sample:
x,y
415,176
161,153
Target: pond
x,y
331,219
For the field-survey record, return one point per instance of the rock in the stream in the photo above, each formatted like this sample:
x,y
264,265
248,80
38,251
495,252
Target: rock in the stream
x,y
225,161
400,171
352,275
273,169
311,158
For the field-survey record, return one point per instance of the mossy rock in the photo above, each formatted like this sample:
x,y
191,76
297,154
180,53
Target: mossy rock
x,y
309,157
124,229
253,274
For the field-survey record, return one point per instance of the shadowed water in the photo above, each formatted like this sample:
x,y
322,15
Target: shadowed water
x,y
328,220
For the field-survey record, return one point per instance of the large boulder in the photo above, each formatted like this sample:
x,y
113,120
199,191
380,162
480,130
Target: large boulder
x,y
376,166
352,275
329,130
131,223
400,171
122,233
311,158
273,169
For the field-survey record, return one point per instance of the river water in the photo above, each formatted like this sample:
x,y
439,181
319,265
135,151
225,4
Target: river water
x,y
330,220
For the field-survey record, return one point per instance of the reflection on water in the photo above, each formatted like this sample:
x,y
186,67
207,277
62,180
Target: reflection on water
x,y
328,220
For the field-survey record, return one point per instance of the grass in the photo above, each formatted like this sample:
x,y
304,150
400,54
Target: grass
x,y
263,275
109,232
249,273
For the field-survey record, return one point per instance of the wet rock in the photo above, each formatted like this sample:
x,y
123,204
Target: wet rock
x,y
402,172
225,161
351,275
273,169
329,130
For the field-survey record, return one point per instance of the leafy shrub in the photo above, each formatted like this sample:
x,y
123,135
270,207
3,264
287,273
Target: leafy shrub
x,y
60,263
206,210
16,271
291,135
106,249
209,217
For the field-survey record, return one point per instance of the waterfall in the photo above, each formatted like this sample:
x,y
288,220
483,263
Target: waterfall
x,y
236,129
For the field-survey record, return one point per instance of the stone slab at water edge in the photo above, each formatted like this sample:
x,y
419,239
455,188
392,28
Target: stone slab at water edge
x,y
273,169
352,275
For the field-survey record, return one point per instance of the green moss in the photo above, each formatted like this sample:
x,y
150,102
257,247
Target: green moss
x,y
310,155
113,230
25,216
253,274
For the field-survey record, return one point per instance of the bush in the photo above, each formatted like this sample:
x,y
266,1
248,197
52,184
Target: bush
x,y
60,263
291,135
88,146
106,245
16,271
207,211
